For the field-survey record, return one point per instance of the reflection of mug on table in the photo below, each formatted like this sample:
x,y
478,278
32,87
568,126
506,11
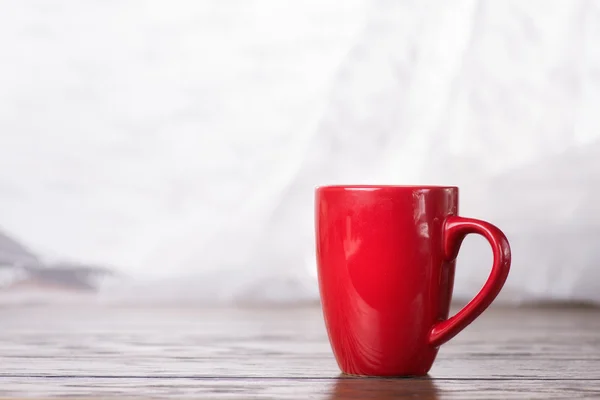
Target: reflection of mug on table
x,y
384,389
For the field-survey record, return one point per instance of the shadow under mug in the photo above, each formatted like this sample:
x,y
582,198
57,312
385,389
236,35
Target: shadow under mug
x,y
386,259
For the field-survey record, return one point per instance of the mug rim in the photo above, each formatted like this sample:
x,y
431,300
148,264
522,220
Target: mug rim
x,y
371,187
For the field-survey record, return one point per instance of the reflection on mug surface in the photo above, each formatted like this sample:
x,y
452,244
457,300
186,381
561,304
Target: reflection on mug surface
x,y
384,388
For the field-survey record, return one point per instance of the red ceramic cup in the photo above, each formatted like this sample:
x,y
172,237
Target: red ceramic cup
x,y
386,257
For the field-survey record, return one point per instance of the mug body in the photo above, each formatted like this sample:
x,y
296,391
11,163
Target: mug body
x,y
383,278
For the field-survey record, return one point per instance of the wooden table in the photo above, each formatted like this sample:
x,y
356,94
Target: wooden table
x,y
92,352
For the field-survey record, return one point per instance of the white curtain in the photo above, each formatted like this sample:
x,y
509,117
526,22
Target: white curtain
x,y
179,143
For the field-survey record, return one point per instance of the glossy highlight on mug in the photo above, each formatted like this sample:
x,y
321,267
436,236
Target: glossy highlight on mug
x,y
386,260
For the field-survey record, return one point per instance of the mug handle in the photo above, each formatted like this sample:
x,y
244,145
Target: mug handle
x,y
454,231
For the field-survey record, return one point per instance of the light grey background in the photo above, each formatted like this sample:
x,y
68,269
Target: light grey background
x,y
179,142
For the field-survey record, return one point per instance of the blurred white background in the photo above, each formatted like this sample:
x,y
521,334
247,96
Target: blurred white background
x,y
180,142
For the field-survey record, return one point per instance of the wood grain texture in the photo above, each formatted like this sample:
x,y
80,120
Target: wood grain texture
x,y
92,352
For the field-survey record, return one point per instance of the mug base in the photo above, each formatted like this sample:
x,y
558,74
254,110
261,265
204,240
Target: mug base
x,y
349,375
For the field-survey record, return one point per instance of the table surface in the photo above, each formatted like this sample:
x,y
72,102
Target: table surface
x,y
93,352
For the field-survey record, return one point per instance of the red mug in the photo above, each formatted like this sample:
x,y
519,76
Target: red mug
x,y
386,258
